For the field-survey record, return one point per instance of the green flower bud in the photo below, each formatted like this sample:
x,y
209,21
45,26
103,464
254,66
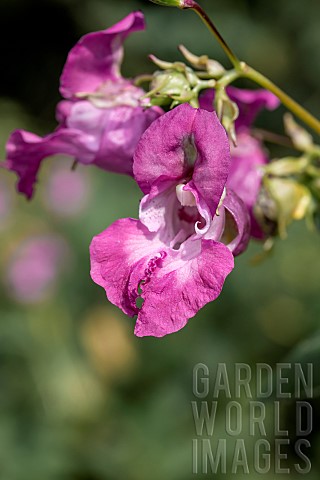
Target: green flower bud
x,y
293,201
265,212
287,166
168,85
301,139
214,68
176,83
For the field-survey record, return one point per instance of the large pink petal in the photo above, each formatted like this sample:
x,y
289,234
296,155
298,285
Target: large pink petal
x,y
97,56
161,153
185,281
185,143
213,162
130,262
114,254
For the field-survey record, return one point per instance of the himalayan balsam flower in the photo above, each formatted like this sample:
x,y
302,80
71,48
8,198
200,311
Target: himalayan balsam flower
x,y
102,117
173,258
249,155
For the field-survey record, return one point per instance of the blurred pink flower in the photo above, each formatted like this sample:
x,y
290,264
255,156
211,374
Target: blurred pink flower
x,y
5,203
34,267
67,192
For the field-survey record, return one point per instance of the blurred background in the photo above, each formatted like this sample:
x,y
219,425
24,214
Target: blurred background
x,y
81,398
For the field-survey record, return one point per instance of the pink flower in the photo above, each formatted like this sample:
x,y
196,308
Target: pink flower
x,y
249,155
102,116
67,192
33,268
173,257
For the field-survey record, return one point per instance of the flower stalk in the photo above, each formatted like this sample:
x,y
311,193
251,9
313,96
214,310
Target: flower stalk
x,y
286,100
210,25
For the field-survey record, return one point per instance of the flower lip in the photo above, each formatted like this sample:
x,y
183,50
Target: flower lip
x,y
130,262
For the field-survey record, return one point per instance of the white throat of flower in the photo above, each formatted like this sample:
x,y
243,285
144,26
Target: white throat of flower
x,y
185,197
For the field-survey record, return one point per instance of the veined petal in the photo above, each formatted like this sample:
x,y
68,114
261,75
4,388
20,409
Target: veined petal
x,y
25,152
165,151
130,262
184,143
97,57
213,163
114,254
186,281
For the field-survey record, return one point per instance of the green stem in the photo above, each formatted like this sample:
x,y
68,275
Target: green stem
x,y
140,79
206,20
229,77
296,108
247,72
271,137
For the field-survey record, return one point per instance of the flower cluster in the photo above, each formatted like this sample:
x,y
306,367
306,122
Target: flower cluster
x,y
199,166
177,255
101,117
